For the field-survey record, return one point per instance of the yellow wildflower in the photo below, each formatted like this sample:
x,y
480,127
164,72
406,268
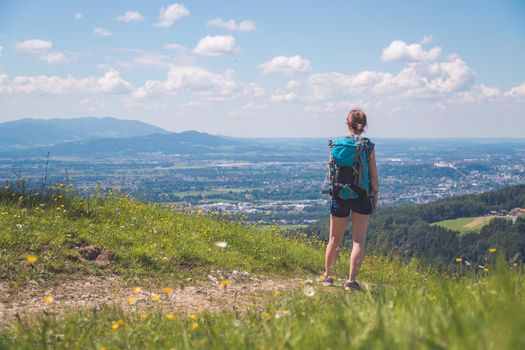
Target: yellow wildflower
x,y
143,315
277,292
492,250
459,260
131,300
136,290
155,297
225,283
48,299
194,326
31,259
167,290
266,315
170,317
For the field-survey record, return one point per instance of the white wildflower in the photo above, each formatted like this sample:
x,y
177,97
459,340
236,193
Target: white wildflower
x,y
309,291
221,244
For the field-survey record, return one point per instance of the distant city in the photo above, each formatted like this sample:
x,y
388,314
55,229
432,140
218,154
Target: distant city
x,y
267,181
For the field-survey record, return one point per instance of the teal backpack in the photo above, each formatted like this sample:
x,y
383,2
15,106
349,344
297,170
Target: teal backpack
x,y
348,168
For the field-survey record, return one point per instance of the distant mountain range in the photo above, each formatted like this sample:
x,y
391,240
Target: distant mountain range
x,y
26,133
104,137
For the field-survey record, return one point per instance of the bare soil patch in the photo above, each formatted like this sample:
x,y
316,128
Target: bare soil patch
x,y
243,292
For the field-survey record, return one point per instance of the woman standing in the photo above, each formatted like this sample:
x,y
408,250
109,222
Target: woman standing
x,y
360,208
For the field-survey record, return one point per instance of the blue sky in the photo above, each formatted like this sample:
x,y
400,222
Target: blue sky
x,y
292,68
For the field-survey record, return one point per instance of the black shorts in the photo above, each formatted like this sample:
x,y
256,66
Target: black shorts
x,y
342,208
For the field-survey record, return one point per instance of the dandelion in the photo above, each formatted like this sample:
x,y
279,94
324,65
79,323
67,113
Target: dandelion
x,y
143,315
277,292
136,290
221,244
309,291
155,297
116,325
102,348
492,250
132,300
225,283
31,259
170,317
167,290
193,317
266,315
48,299
459,260
194,326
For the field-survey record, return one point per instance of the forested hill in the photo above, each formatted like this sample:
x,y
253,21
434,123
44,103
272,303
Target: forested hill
x,y
406,230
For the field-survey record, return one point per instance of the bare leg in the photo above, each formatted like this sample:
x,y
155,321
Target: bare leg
x,y
337,230
359,226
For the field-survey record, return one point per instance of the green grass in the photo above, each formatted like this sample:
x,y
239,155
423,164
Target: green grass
x,y
465,225
405,309
145,240
408,306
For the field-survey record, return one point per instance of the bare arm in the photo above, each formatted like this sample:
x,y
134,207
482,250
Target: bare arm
x,y
374,178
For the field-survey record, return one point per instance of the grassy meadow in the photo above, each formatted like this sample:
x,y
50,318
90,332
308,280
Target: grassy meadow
x,y
406,305
465,225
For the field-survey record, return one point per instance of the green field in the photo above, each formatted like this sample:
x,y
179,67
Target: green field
x,y
465,225
406,305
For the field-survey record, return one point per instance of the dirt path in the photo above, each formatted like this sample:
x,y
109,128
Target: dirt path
x,y
243,292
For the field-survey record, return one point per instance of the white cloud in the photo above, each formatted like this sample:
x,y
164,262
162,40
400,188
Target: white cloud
x,y
41,49
130,16
293,83
101,32
92,105
113,83
416,80
427,39
243,26
286,65
78,16
169,15
216,45
199,81
283,97
400,51
55,57
174,46
33,46
110,82
517,91
1,50
479,93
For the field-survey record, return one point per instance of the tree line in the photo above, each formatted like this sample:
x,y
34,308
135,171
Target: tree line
x,y
405,230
